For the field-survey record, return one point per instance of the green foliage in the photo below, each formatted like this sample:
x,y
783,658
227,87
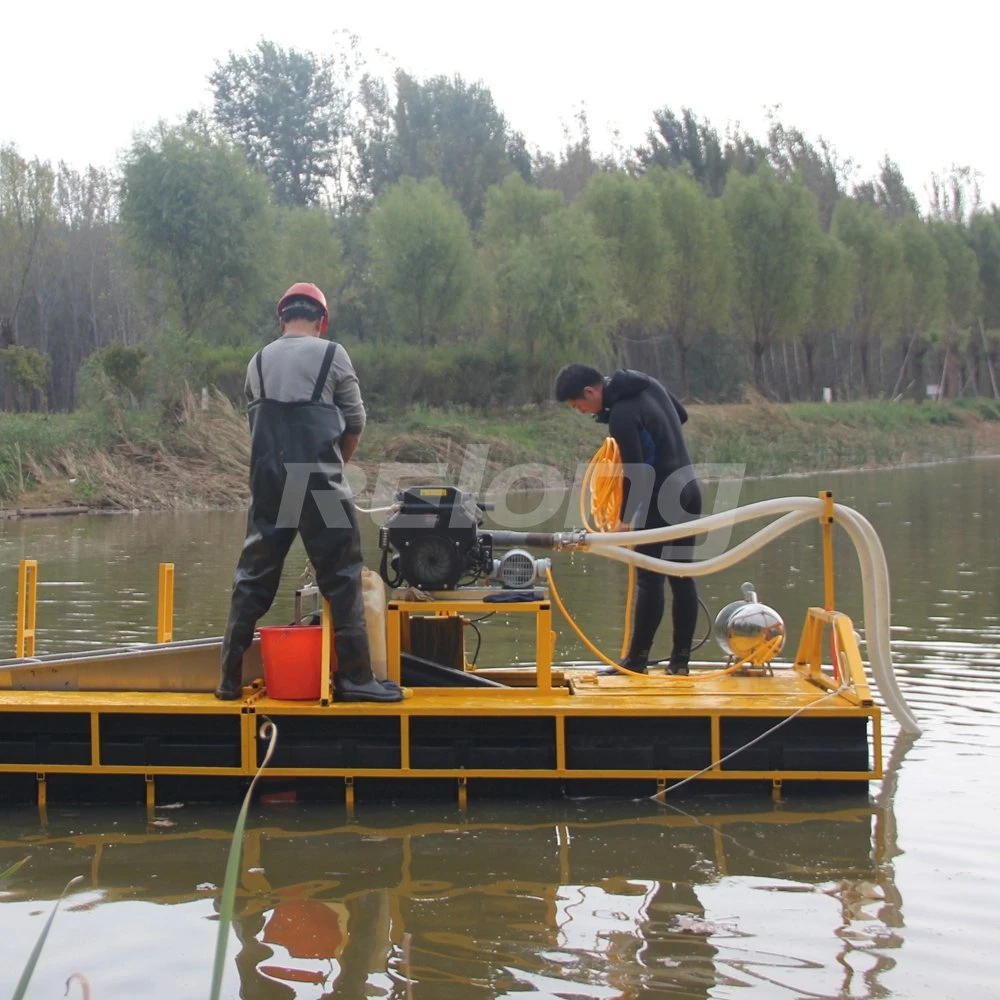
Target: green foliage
x,y
126,368
923,281
184,363
686,142
199,220
422,258
452,130
626,214
28,367
774,231
286,111
833,285
791,154
311,250
554,294
515,209
961,270
888,193
831,301
479,376
701,267
984,237
863,230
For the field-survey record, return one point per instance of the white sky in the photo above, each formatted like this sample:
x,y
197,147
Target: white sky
x,y
917,81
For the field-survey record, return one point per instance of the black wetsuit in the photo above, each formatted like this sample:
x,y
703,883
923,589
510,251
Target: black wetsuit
x,y
660,488
299,438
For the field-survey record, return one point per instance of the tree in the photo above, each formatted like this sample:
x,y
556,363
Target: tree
x,y
27,367
863,230
570,171
371,126
955,196
287,112
452,130
888,193
922,296
514,208
961,285
422,258
773,228
310,250
26,208
816,166
200,221
553,291
637,250
126,368
831,300
685,141
700,274
984,237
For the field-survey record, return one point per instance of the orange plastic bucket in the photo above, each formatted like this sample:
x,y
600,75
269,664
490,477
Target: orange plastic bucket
x,y
292,656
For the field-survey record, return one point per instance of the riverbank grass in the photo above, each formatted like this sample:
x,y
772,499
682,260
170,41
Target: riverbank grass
x,y
198,458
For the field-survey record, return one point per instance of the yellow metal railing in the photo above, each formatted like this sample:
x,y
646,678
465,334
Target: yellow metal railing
x,y
27,606
165,604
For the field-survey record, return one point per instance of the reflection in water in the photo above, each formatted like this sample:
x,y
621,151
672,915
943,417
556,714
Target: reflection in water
x,y
594,899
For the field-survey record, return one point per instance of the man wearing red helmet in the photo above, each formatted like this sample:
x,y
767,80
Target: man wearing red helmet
x,y
306,418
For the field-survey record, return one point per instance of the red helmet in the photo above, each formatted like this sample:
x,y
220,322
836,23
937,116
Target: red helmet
x,y
307,290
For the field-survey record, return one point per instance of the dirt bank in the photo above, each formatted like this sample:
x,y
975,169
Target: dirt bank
x,y
201,462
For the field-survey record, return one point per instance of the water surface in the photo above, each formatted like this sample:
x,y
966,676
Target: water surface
x,y
890,894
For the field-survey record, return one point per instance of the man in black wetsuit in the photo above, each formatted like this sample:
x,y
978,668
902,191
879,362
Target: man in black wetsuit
x,y
306,418
659,488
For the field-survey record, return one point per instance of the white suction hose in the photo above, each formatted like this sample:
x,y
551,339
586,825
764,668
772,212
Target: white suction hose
x,y
795,511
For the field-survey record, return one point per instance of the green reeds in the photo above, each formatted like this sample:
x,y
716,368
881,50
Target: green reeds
x,y
29,968
14,868
268,731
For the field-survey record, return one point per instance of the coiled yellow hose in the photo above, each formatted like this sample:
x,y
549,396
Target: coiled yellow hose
x,y
603,481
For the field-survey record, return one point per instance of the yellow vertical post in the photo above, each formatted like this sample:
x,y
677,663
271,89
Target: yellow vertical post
x,y
404,742
827,521
543,647
324,669
393,639
165,604
27,602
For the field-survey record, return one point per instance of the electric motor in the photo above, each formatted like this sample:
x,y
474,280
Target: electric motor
x,y
748,631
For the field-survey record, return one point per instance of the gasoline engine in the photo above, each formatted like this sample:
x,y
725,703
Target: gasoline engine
x,y
434,541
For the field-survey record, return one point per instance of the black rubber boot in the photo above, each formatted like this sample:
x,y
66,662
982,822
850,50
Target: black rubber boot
x,y
634,664
231,683
369,690
678,663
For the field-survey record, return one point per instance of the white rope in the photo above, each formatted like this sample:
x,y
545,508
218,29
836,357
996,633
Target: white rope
x,y
661,796
374,510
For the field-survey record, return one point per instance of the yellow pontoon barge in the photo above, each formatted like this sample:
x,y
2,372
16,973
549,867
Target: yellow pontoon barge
x,y
143,721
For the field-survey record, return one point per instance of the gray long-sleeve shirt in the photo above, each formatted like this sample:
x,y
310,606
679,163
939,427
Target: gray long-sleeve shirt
x,y
291,366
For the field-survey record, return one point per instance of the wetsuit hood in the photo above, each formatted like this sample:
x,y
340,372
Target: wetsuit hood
x,y
622,384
